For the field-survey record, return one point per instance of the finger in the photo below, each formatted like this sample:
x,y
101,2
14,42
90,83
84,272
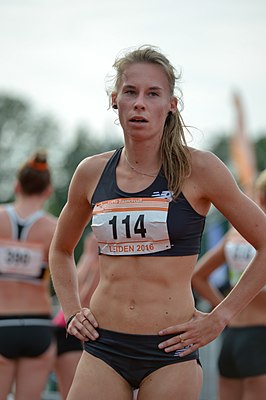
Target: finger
x,y
178,349
84,333
83,316
178,342
89,316
177,346
85,329
182,338
169,342
177,339
75,332
81,326
182,349
176,329
89,331
188,350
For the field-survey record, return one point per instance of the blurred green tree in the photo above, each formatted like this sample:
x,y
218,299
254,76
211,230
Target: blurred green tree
x,y
220,147
260,147
22,131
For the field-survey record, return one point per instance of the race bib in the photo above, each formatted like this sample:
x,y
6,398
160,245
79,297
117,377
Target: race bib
x,y
238,255
20,259
131,226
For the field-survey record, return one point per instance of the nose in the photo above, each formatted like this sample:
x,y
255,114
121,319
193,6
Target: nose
x,y
139,102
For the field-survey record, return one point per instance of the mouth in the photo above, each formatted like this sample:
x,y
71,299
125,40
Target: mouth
x,y
138,120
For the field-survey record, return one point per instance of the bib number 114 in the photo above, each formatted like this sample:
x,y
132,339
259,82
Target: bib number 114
x,y
138,229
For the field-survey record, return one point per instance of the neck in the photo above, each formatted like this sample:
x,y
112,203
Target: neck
x,y
26,205
143,154
141,164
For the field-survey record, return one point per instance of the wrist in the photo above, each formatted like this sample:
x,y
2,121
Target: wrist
x,y
220,316
69,319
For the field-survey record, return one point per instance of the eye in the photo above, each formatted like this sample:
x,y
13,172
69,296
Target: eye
x,y
153,94
129,91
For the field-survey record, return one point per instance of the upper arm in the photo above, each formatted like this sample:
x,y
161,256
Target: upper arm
x,y
221,189
211,260
76,213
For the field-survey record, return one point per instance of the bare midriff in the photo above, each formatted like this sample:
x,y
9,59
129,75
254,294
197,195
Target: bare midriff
x,y
252,315
142,295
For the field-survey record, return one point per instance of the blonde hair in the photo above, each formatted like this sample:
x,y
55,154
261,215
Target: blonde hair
x,y
175,156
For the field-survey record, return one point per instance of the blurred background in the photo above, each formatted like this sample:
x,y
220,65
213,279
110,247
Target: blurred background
x,y
57,54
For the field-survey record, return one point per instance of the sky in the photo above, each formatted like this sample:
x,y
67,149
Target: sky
x,y
57,53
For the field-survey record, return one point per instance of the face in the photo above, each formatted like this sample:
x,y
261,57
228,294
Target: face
x,y
144,101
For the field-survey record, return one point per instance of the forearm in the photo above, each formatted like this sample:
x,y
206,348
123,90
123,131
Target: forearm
x,y
208,263
249,285
65,282
208,292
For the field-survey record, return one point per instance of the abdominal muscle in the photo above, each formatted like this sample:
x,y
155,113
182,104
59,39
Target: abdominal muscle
x,y
142,295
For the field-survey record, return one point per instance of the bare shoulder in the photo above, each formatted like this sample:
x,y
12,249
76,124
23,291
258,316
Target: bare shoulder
x,y
94,164
210,173
87,175
203,159
213,182
210,182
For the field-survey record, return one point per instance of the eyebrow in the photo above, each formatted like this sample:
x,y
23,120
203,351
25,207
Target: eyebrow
x,y
155,88
150,88
128,87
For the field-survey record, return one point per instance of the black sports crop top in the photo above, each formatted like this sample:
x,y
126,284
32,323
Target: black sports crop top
x,y
145,223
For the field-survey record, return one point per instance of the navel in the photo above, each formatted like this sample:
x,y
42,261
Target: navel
x,y
132,305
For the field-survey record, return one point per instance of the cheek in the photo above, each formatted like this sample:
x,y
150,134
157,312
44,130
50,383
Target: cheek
x,y
161,114
123,107
122,116
158,122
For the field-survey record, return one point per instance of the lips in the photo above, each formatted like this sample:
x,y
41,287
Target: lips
x,y
138,119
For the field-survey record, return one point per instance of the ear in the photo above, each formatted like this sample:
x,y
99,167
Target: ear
x,y
114,105
173,104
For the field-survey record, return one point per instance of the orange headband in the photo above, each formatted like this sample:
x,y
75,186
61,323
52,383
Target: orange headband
x,y
39,166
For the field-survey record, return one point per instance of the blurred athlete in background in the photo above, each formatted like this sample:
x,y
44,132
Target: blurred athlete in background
x,y
27,346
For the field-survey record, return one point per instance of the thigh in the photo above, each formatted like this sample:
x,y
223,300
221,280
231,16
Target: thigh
x,y
173,382
94,379
32,374
7,374
230,389
65,368
255,388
